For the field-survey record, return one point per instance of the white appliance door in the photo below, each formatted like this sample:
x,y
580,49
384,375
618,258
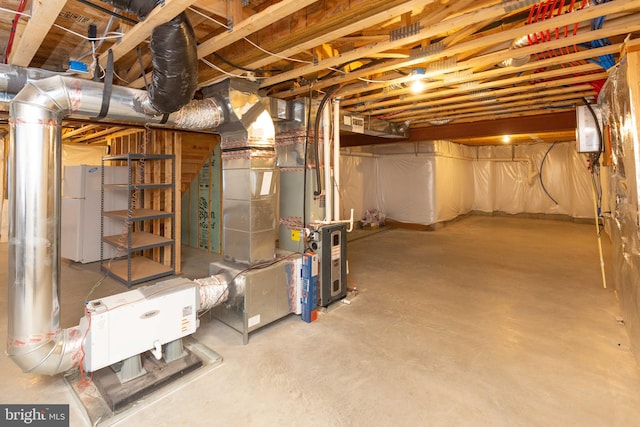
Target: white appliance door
x,y
77,179
71,241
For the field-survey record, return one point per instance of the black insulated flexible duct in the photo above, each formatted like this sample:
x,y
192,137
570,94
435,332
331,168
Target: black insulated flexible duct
x,y
174,56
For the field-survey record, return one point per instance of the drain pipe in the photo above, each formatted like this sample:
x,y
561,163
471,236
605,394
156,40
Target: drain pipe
x,y
35,341
336,167
336,159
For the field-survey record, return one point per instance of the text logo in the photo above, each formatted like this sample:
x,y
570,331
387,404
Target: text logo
x,y
34,415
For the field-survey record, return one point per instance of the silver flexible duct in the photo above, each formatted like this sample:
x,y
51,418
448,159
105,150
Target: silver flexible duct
x,y
517,61
35,341
213,290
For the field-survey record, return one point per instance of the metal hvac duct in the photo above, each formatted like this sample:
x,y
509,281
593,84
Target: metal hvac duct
x,y
13,79
249,176
517,61
35,341
174,56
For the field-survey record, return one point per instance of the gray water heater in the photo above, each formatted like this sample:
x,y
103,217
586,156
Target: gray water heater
x,y
331,246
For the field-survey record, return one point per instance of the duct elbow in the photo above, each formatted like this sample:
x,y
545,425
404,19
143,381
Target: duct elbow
x,y
517,61
54,355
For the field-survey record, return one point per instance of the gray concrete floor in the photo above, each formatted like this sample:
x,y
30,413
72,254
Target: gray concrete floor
x,y
488,321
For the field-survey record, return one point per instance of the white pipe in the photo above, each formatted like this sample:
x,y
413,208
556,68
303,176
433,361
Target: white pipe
x,y
326,150
336,158
345,221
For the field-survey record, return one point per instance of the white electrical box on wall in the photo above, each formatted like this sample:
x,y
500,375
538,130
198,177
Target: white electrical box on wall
x,y
124,325
588,130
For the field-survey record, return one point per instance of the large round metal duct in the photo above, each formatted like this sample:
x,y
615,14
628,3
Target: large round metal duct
x,y
173,54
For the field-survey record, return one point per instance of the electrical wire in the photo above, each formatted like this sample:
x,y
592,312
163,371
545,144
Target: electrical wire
x,y
596,158
120,78
84,381
540,173
114,36
240,76
94,48
306,155
240,67
275,55
288,58
228,28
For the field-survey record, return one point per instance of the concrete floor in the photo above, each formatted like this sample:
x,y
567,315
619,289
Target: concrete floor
x,y
488,321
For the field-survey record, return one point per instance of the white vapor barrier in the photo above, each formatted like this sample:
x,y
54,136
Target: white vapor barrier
x,y
405,188
454,187
514,180
357,185
75,154
431,182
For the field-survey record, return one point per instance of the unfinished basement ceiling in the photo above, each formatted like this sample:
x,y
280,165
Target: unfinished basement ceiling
x,y
479,60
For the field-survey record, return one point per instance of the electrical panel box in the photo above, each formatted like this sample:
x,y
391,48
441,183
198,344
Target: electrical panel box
x,y
588,129
124,325
332,250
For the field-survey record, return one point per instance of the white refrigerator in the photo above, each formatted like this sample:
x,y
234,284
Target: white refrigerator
x,y
80,222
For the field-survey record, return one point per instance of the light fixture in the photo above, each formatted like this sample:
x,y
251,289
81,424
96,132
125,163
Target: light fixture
x,y
506,139
417,76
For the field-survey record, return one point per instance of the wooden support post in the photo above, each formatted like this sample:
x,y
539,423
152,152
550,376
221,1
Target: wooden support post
x,y
177,151
234,13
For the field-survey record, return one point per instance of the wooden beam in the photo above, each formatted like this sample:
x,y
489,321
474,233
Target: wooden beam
x,y
537,109
43,16
556,122
526,94
448,97
497,107
215,7
177,151
427,29
252,24
302,43
493,58
496,57
564,121
163,13
556,73
101,134
79,131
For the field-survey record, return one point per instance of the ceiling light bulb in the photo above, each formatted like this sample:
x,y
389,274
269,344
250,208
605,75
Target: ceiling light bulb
x,y
417,86
506,139
417,83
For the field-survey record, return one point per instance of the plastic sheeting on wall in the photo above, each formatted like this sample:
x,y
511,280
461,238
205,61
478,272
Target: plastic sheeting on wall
x,y
509,177
82,154
430,182
619,112
405,188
